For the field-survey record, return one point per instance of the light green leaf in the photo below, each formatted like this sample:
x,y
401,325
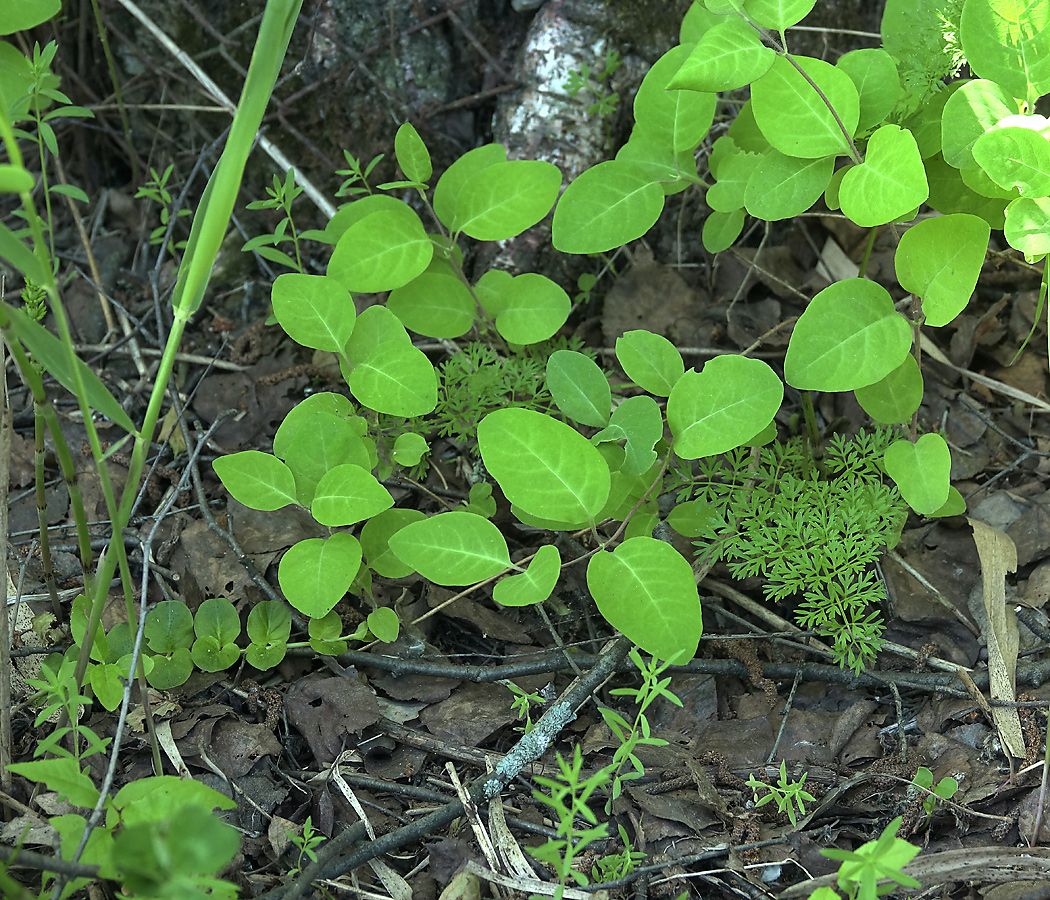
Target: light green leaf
x,y
659,162
874,73
383,251
269,625
396,379
325,633
650,361
535,584
412,154
376,327
722,406
106,685
695,24
782,187
169,627
314,310
678,119
579,387
646,590
721,230
544,467
350,213
527,308
894,399
733,174
792,116
348,494
638,421
955,505
1015,157
217,627
315,574
49,351
610,204
920,471
939,260
63,776
325,442
1028,226
15,179
504,199
1008,42
889,183
170,670
976,107
22,17
258,480
728,56
778,14
384,624
375,537
324,401
949,194
456,176
850,336
452,548
436,303
409,448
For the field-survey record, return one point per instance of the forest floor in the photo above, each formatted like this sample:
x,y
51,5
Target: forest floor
x,y
387,731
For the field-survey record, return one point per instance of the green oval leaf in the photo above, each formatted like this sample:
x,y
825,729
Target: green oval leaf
x,y
1028,226
637,421
314,310
646,590
921,471
850,336
779,14
383,251
728,56
452,548
315,574
721,229
1008,42
894,399
396,379
791,114
384,624
874,73
348,494
527,308
609,205
579,387
677,119
326,442
544,467
325,401
412,154
269,626
889,183
256,479
504,199
1015,157
723,406
436,304
976,107
375,538
409,449
451,183
782,187
939,260
650,360
535,584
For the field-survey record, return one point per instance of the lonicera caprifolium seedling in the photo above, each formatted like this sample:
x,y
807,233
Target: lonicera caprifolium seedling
x,y
872,146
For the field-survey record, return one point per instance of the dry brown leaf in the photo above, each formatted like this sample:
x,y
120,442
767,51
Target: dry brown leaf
x,y
998,556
